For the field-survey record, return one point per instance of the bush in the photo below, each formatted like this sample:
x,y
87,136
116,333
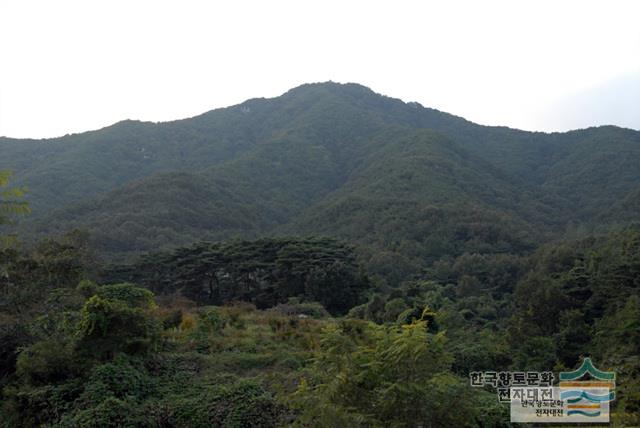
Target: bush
x,y
295,307
108,327
233,314
243,405
37,406
393,308
87,288
370,375
122,378
409,315
110,412
210,321
45,362
172,320
128,294
188,322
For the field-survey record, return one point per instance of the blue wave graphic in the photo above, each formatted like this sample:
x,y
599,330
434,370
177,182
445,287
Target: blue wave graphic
x,y
583,413
575,395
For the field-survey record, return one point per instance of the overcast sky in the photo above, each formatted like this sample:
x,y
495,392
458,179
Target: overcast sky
x,y
71,66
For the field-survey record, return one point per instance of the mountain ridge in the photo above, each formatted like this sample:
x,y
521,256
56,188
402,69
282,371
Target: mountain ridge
x,y
332,158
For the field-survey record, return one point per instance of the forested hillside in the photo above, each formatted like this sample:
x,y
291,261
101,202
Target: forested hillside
x,y
334,159
329,257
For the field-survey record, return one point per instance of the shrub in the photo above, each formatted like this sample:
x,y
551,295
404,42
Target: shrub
x,y
108,327
45,362
110,412
122,378
188,322
87,288
295,307
233,314
210,321
128,294
173,319
243,405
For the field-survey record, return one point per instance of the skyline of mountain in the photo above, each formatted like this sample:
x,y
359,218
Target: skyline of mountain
x,y
335,159
627,83
358,211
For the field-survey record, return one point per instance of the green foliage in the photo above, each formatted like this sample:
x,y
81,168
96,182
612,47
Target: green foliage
x,y
368,375
616,344
151,389
173,319
107,327
210,321
292,364
408,184
35,406
110,412
122,378
128,294
264,272
302,309
47,361
87,288
11,205
37,294
482,235
581,299
245,404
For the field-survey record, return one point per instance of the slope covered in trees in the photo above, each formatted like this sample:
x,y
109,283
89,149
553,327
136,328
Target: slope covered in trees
x,y
264,272
327,158
76,353
330,257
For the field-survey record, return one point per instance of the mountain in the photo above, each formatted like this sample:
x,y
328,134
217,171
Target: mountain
x,y
407,184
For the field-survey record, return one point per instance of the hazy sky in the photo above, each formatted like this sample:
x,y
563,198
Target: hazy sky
x,y
71,66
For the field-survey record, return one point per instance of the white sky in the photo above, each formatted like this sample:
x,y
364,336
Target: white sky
x,y
70,66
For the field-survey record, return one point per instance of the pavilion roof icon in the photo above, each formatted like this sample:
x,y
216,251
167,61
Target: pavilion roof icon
x,y
588,367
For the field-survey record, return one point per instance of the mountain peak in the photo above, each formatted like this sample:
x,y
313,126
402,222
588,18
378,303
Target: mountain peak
x,y
329,84
331,87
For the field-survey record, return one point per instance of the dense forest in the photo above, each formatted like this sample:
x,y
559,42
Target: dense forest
x,y
330,257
